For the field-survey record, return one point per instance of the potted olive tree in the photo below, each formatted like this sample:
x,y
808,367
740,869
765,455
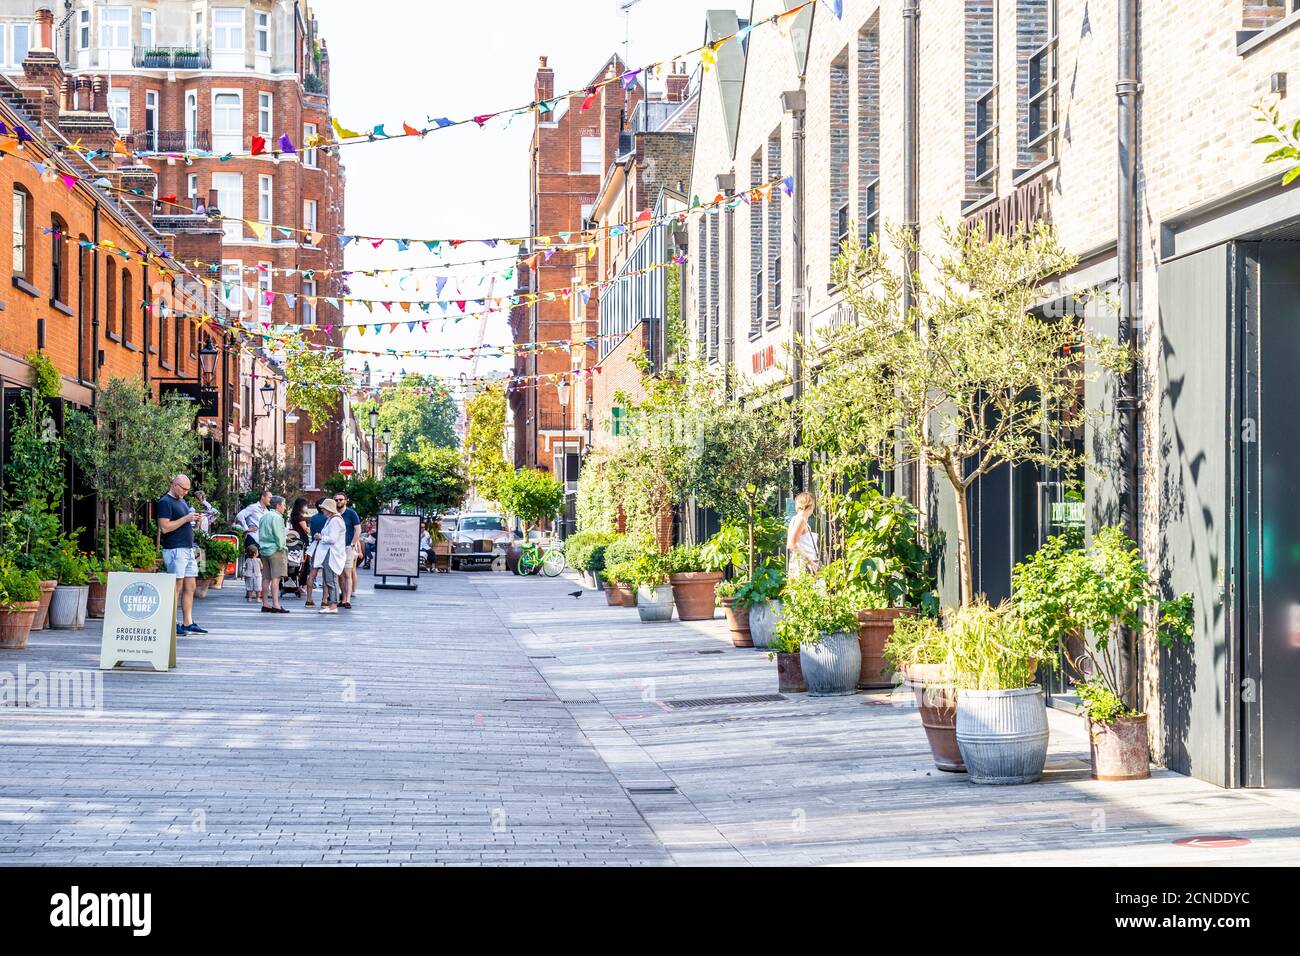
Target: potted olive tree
x,y
918,655
993,656
1083,599
820,615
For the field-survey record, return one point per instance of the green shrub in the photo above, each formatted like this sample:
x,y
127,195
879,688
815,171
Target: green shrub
x,y
18,585
691,558
811,608
585,550
133,547
72,568
623,550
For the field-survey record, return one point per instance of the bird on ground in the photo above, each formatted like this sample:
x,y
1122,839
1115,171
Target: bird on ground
x,y
575,594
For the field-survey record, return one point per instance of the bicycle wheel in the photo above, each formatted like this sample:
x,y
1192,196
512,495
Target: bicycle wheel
x,y
528,563
553,563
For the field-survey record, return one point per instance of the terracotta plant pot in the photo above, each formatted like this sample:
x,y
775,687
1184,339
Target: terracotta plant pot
x,y
43,611
220,579
738,622
1120,750
875,627
789,674
95,599
936,698
694,594
201,587
626,596
16,624
611,596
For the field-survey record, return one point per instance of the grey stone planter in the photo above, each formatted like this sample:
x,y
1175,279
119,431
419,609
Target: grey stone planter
x,y
831,666
1002,734
656,605
68,606
762,622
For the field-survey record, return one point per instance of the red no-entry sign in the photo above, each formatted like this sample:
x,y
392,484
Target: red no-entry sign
x,y
346,467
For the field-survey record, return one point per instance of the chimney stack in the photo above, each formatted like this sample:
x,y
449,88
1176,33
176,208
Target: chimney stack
x,y
676,83
99,95
545,89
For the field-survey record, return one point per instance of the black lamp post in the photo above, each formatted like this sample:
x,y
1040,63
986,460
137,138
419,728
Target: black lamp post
x,y
562,390
208,363
374,424
388,437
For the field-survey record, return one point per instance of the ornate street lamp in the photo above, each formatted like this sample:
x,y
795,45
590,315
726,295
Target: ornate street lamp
x,y
208,362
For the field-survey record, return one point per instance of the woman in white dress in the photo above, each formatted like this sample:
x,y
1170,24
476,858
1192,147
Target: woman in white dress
x,y
800,542
331,555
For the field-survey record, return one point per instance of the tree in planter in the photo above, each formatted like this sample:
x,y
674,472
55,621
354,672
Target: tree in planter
x,y
30,527
743,462
1082,598
532,496
129,448
985,383
429,480
485,436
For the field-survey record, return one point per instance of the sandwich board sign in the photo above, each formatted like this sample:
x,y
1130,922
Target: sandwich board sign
x,y
139,621
397,550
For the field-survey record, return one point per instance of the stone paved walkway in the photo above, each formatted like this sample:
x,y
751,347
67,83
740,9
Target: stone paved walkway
x,y
490,719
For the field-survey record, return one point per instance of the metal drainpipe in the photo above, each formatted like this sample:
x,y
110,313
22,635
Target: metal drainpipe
x,y
727,186
94,303
795,103
146,319
910,476
1127,90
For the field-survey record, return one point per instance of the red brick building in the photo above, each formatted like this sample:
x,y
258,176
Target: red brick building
x,y
571,151
95,284
202,82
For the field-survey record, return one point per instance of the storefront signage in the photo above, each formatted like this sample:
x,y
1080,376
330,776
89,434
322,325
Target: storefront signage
x,y
764,359
1069,514
1025,206
139,621
397,546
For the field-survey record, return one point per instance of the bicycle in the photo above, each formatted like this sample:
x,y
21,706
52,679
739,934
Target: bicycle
x,y
532,560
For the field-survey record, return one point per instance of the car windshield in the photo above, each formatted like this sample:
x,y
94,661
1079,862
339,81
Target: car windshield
x,y
480,524
447,524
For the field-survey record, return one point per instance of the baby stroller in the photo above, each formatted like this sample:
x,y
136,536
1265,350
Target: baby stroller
x,y
294,553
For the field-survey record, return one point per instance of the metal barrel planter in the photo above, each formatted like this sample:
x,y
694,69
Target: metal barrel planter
x,y
1120,750
655,604
762,622
831,666
68,607
1002,734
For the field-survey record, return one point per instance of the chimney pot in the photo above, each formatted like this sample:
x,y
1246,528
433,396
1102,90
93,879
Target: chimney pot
x,y
45,28
99,95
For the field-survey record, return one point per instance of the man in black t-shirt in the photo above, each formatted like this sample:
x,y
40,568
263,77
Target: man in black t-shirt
x,y
176,521
348,579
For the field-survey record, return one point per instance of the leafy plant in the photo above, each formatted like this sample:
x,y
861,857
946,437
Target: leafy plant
x,y
649,570
223,552
1083,598
692,558
315,378
17,586
47,381
883,550
585,550
1285,137
732,542
1101,703
72,568
993,648
364,492
765,585
814,605
135,548
34,472
419,411
916,640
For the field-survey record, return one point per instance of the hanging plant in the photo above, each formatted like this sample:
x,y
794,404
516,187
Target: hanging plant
x,y
46,380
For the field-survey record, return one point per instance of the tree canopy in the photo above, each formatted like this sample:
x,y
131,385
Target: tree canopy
x,y
485,435
429,479
419,409
532,496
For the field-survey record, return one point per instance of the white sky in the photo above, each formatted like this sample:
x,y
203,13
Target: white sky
x,y
395,60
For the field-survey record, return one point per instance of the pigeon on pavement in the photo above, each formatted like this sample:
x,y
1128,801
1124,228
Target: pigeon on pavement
x,y
575,594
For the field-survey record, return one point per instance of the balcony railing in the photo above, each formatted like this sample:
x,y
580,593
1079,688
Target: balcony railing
x,y
171,140
171,58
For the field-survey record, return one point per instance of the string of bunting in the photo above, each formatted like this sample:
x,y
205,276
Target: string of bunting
x,y
284,145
